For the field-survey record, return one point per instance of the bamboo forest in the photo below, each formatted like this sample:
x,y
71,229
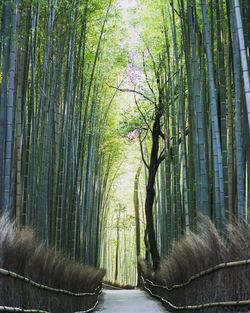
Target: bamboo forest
x,y
124,156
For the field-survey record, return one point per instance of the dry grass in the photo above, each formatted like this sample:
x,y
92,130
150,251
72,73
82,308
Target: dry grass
x,y
199,252
21,253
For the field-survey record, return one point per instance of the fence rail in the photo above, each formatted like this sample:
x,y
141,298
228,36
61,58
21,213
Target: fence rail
x,y
238,303
97,292
199,306
202,273
13,275
13,309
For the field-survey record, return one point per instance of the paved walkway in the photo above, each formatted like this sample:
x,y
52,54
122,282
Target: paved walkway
x,y
129,301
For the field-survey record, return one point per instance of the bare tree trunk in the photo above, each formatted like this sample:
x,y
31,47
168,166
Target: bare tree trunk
x,y
150,191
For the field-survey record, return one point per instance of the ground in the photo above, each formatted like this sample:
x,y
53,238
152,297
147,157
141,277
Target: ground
x,y
127,301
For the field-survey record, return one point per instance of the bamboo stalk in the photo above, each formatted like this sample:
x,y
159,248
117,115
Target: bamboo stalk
x,y
243,55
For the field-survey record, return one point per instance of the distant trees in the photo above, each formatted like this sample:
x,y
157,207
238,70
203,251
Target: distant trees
x,y
32,270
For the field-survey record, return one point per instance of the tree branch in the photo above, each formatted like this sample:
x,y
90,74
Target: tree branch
x,y
162,135
142,153
133,91
163,155
153,61
146,76
172,5
143,116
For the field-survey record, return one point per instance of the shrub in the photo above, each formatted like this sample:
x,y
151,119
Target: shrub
x,y
22,254
195,253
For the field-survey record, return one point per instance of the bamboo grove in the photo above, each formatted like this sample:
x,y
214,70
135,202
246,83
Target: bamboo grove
x,y
193,116
62,66
206,117
54,112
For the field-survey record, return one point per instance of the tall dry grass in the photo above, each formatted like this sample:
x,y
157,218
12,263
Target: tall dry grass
x,y
198,252
22,254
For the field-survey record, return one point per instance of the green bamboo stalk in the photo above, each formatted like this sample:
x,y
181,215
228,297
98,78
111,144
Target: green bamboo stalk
x,y
7,194
217,154
238,128
3,109
243,56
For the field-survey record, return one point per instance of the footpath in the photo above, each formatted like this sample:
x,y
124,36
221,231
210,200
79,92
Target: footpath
x,y
128,301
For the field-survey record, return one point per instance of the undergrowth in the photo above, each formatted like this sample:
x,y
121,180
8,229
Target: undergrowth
x,y
195,253
22,254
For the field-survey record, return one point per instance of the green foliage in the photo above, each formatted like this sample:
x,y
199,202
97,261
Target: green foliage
x,y
134,119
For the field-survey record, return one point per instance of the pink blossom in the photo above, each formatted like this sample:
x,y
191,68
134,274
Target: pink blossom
x,y
133,135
